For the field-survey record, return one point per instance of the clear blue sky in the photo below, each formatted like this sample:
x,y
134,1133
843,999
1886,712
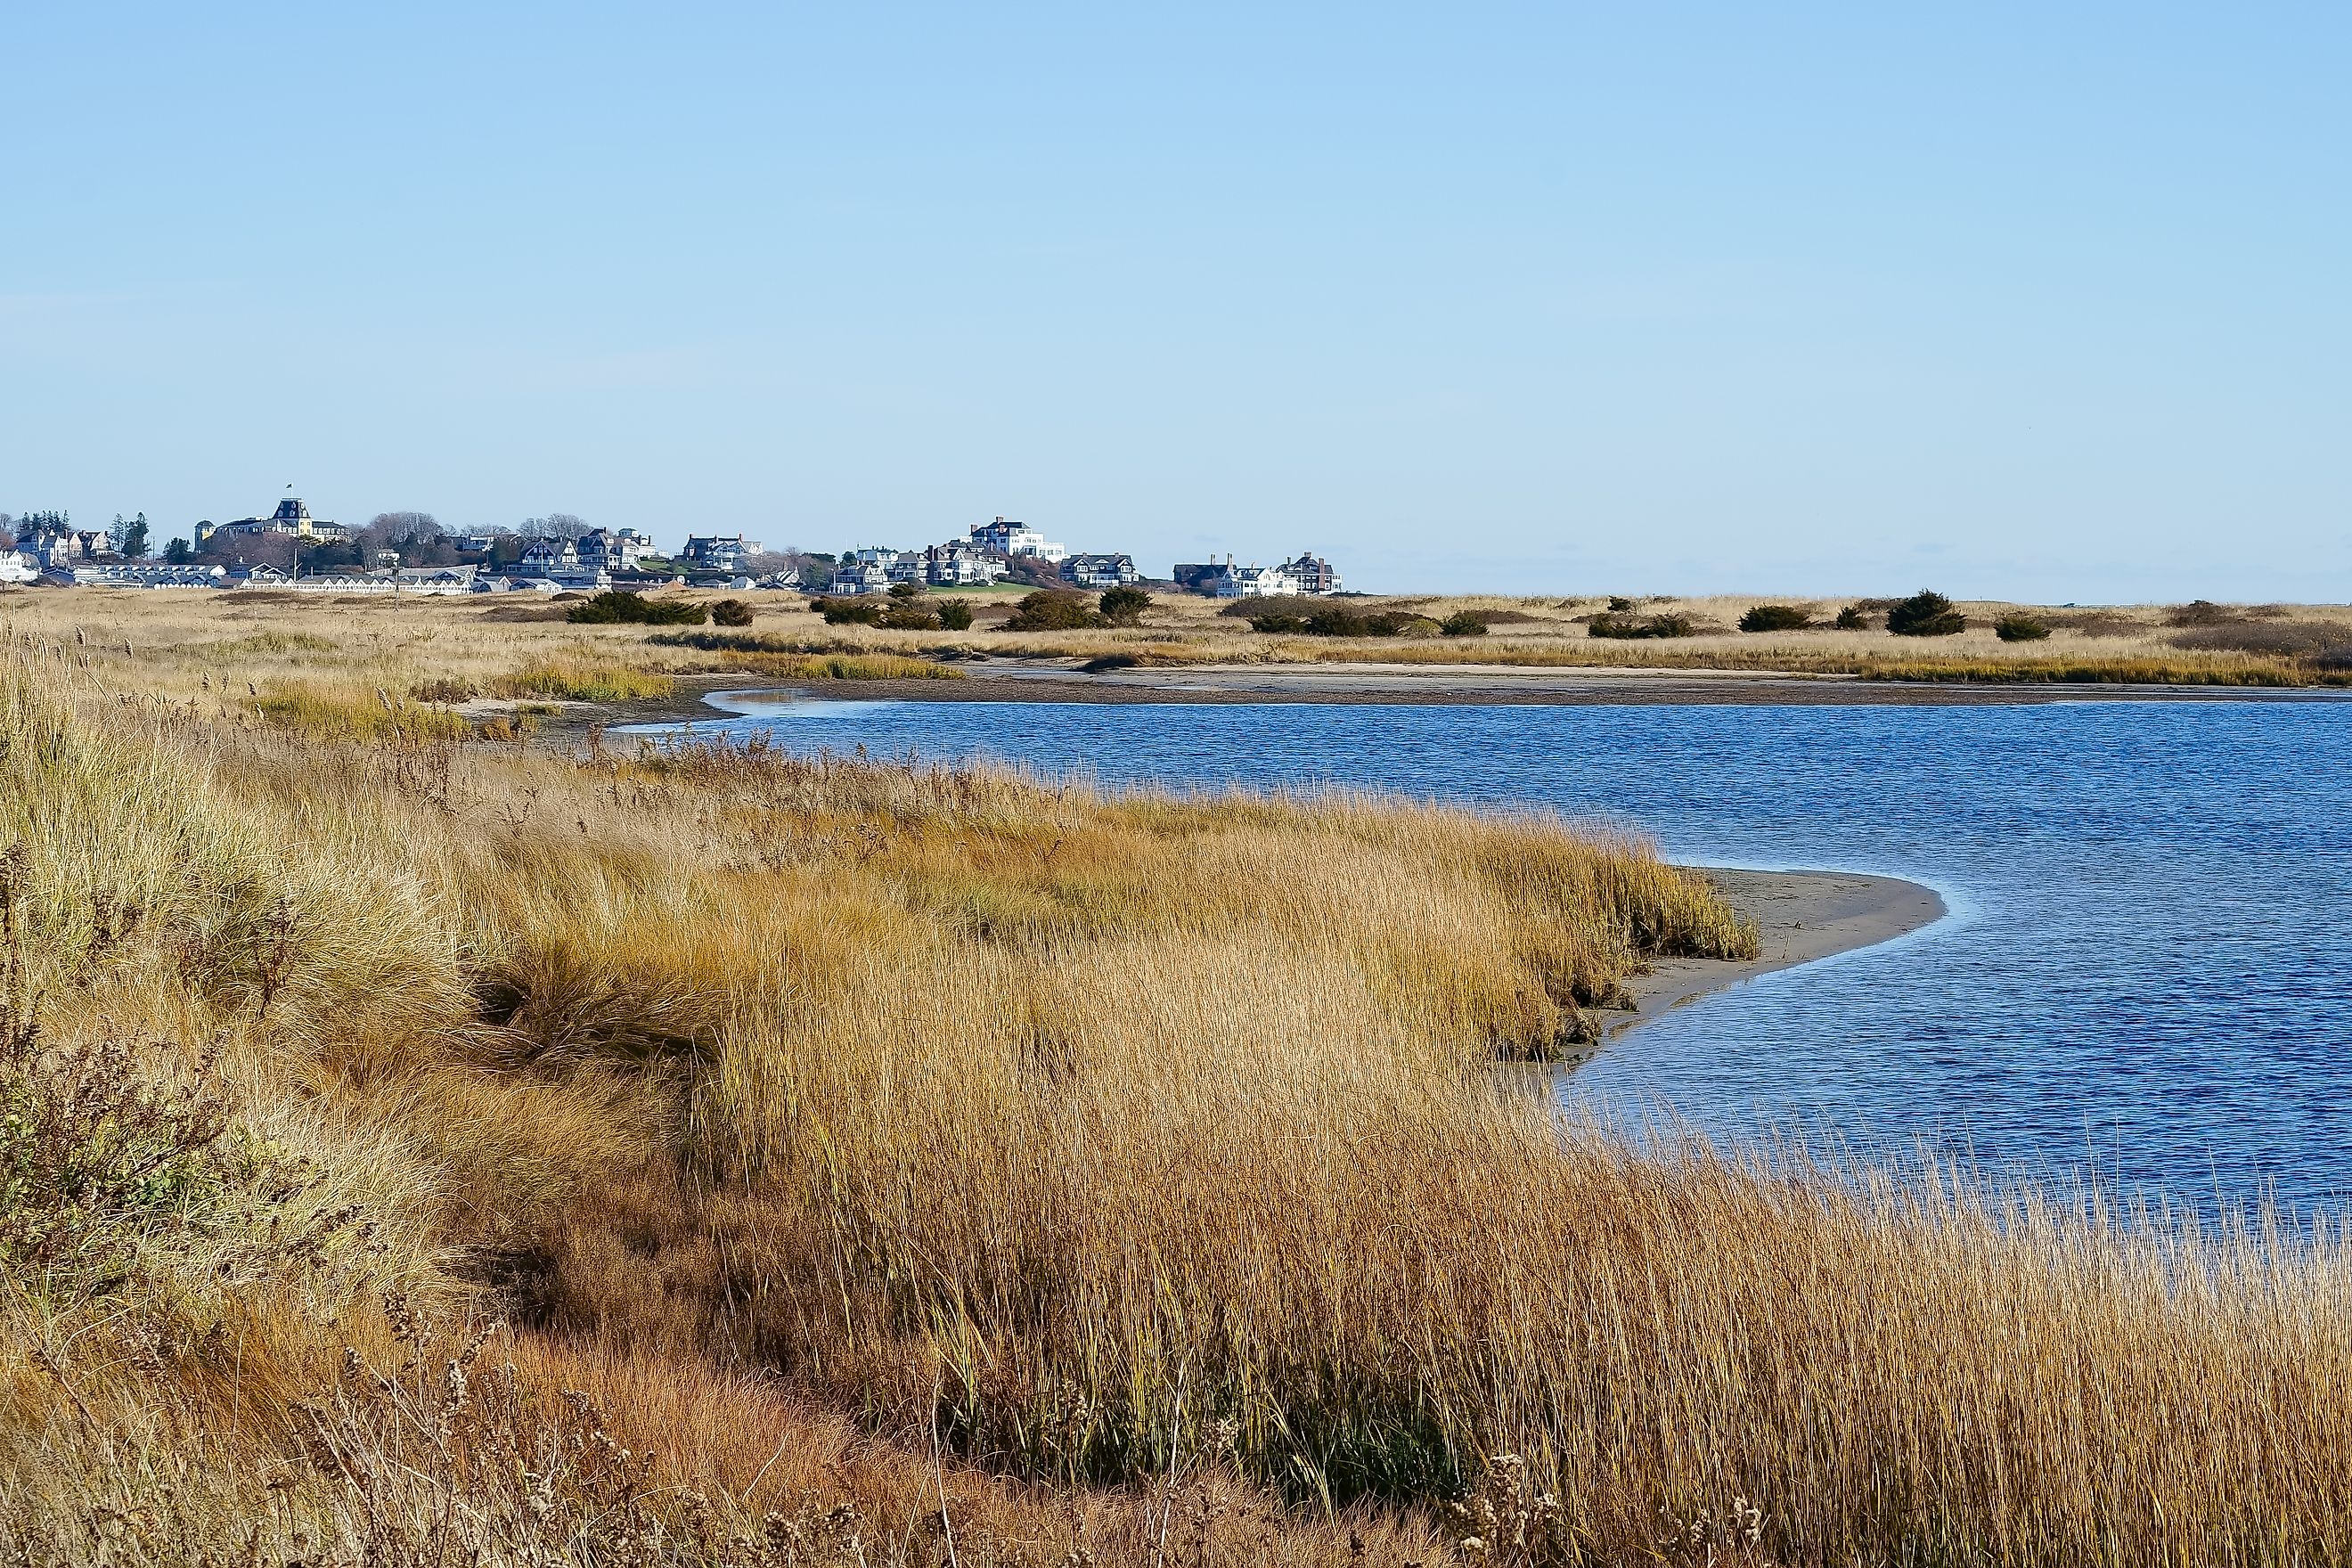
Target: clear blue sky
x,y
2022,300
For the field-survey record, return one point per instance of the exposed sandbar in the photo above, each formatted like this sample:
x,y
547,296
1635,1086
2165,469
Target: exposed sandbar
x,y
1801,916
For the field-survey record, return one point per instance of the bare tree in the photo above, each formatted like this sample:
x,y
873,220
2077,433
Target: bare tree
x,y
555,525
404,525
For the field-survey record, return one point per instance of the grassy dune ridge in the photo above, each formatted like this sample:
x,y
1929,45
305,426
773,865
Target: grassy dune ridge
x,y
1129,1174
176,640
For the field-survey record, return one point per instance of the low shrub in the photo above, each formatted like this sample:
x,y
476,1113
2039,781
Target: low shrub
x,y
1124,606
955,615
732,613
1775,618
2015,628
1853,618
849,612
618,606
1620,606
1464,624
1926,614
2200,612
1048,610
1628,628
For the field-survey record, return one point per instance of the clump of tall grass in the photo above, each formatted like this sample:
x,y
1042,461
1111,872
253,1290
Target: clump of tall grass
x,y
338,714
574,680
229,650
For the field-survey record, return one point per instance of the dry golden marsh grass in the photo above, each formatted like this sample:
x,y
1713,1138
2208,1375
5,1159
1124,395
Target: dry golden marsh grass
x,y
178,640
887,1164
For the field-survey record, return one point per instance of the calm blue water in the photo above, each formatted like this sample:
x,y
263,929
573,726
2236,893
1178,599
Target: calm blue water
x,y
2146,971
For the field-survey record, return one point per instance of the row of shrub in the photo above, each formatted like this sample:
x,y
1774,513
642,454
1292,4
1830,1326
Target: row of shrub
x,y
906,612
1334,621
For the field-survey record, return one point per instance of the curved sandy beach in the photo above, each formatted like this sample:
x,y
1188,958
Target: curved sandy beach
x,y
1801,916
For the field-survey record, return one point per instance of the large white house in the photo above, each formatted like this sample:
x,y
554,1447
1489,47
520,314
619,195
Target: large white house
x,y
1252,581
1005,537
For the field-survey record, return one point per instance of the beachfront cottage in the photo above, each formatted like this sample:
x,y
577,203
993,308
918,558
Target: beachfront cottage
x,y
146,574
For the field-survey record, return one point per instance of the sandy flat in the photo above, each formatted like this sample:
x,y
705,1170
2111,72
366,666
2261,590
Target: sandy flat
x,y
1801,916
1010,680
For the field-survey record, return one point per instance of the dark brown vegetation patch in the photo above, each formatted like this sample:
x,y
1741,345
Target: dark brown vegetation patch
x,y
2293,640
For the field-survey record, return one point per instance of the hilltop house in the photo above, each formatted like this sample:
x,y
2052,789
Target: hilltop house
x,y
291,518
18,568
1100,571
1252,582
614,548
57,546
1314,574
873,570
1009,538
960,563
718,552
548,557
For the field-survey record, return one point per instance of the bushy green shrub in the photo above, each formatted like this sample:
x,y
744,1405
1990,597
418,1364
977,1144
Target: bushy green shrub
x,y
618,606
1124,606
1048,611
1464,624
849,612
1628,628
2019,628
906,590
1775,618
1926,614
1853,618
732,613
955,615
1620,606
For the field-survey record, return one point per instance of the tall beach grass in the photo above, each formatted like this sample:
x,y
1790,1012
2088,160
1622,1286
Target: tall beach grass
x,y
1027,1168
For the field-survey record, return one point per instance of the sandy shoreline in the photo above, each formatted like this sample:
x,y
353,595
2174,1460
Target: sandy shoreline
x,y
1449,685
1801,916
